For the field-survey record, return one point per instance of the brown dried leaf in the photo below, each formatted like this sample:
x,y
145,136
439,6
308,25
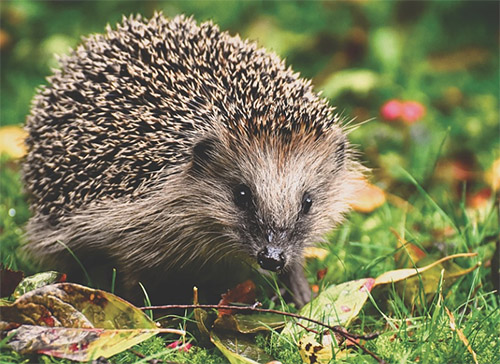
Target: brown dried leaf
x,y
242,293
460,334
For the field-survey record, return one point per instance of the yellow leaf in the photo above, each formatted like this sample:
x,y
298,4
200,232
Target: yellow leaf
x,y
313,252
368,198
401,274
12,141
312,351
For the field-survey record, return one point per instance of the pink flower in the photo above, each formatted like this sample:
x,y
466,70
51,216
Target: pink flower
x,y
412,111
392,110
405,111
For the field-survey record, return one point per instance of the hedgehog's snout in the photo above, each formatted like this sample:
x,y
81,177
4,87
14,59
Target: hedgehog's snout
x,y
271,258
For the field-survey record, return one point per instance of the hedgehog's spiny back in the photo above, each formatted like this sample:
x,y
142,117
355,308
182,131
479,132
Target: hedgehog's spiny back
x,y
129,104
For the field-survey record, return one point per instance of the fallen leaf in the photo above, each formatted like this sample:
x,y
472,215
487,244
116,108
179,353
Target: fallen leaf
x,y
75,322
401,274
239,349
311,351
323,352
337,305
38,280
80,344
249,324
368,198
203,321
242,293
73,305
12,141
312,252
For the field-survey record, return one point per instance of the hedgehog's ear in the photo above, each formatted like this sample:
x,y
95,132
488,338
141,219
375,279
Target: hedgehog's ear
x,y
202,154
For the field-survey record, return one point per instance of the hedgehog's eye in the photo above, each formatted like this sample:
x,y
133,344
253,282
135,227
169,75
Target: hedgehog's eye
x,y
306,203
242,196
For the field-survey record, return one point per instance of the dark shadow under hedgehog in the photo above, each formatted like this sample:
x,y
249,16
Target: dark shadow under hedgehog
x,y
181,156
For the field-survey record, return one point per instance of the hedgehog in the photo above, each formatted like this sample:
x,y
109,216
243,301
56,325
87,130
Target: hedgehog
x,y
181,155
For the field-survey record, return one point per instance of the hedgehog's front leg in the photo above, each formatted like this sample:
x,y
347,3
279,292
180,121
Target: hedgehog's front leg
x,y
295,280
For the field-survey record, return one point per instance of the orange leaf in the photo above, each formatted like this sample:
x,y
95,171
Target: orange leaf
x,y
368,198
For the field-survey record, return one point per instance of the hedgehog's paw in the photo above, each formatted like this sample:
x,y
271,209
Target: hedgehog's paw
x,y
297,284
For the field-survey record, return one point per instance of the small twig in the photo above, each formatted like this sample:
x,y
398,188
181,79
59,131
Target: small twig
x,y
337,329
307,328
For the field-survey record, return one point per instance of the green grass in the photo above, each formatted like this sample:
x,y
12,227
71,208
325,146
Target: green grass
x,y
443,55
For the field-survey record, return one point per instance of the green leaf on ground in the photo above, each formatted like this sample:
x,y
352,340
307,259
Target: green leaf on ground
x,y
249,324
338,305
36,281
239,349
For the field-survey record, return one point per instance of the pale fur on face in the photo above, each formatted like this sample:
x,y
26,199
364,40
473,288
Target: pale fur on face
x,y
278,174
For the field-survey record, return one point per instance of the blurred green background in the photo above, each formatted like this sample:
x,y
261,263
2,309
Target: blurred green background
x,y
442,55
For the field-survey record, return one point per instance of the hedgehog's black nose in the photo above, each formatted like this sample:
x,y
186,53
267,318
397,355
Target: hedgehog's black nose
x,y
271,258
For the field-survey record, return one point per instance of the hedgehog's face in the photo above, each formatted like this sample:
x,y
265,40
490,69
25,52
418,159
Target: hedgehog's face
x,y
277,199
